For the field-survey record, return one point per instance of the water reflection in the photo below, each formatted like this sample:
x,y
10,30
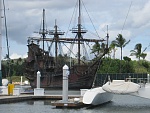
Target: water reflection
x,y
39,102
119,104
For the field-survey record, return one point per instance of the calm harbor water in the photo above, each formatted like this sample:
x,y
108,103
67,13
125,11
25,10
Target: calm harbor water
x,y
119,104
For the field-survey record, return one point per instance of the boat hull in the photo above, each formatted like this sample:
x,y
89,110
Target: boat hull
x,y
81,75
75,81
96,96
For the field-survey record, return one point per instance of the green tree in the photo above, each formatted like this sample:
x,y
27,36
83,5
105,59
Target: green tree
x,y
137,52
127,62
83,58
120,42
96,48
112,48
127,58
146,65
143,55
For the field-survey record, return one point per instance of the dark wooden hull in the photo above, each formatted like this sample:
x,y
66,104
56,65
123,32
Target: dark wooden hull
x,y
77,80
81,76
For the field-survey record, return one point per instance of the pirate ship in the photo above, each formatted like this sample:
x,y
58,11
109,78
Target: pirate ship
x,y
82,73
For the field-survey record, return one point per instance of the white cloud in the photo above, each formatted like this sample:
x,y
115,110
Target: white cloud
x,y
141,16
16,56
24,17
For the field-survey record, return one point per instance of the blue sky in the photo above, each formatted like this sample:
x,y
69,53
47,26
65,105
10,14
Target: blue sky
x,y
24,17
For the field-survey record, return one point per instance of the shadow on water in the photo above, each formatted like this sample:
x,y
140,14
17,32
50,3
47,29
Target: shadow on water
x,y
98,106
124,104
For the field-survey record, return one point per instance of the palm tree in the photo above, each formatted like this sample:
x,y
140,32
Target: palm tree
x,y
120,42
127,60
112,47
143,55
96,48
83,58
138,51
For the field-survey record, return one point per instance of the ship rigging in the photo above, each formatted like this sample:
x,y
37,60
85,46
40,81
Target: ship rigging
x,y
81,74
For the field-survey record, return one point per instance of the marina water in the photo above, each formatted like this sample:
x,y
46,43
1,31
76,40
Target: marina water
x,y
119,104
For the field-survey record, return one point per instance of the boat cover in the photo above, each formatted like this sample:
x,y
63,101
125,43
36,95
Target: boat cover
x,y
121,87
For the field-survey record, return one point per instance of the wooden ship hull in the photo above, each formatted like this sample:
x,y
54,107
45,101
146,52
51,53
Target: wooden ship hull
x,y
76,81
81,76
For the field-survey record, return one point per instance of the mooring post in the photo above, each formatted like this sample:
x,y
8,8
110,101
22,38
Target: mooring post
x,y
65,83
148,78
38,91
21,81
38,79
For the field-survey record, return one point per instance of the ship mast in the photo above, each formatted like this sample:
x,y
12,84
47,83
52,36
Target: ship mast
x,y
43,34
0,41
107,37
56,34
56,40
79,31
43,31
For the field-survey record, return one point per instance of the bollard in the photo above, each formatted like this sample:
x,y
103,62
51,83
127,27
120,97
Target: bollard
x,y
38,91
21,81
65,83
38,79
148,78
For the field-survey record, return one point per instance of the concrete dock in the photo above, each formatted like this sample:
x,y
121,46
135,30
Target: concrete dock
x,y
54,95
10,99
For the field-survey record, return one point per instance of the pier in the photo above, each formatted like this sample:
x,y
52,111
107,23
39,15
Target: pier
x,y
11,99
54,95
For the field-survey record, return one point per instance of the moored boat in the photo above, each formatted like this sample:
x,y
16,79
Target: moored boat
x,y
97,96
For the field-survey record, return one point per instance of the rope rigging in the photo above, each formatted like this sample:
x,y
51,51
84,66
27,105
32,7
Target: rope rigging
x,y
90,19
121,33
7,42
72,18
7,56
126,17
72,44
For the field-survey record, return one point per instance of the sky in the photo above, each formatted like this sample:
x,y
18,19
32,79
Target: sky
x,y
131,18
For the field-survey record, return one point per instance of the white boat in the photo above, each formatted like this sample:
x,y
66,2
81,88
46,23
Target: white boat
x,y
121,87
96,96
